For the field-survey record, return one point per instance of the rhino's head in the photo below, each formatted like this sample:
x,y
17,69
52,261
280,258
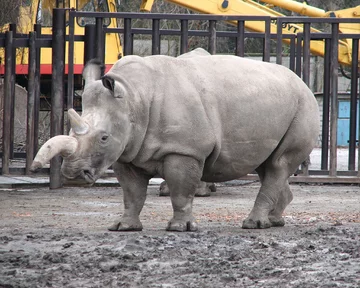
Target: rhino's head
x,y
98,137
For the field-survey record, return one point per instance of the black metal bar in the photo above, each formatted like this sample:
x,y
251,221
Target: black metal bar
x,y
212,37
89,43
100,40
353,103
184,36
292,54
30,102
155,48
57,90
306,54
12,27
279,41
334,97
70,75
326,108
240,39
298,54
306,69
266,46
37,29
127,36
7,102
174,16
132,44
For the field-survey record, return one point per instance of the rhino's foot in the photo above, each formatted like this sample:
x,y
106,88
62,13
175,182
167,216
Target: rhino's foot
x,y
164,190
182,225
249,223
212,187
126,225
277,221
202,192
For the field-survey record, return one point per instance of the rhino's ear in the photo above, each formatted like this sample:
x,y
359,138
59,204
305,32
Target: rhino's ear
x,y
115,87
93,70
108,83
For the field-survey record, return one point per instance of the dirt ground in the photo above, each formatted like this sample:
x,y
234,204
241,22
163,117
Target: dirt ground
x,y
58,238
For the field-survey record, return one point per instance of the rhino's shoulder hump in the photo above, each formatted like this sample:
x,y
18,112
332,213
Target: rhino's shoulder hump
x,y
126,61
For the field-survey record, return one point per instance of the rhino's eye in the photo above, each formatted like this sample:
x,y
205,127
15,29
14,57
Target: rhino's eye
x,y
104,138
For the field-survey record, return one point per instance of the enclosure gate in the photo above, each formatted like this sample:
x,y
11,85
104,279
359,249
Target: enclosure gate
x,y
299,56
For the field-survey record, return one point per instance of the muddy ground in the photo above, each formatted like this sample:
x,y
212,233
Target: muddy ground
x,y
58,238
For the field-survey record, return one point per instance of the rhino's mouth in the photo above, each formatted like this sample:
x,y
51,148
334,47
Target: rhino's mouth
x,y
85,174
88,176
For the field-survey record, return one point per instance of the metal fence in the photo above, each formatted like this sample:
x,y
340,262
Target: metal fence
x,y
299,62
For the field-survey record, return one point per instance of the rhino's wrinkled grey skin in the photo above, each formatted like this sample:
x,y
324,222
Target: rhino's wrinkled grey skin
x,y
209,118
203,189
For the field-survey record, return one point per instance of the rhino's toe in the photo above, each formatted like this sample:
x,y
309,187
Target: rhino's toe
x,y
125,226
182,226
277,221
256,223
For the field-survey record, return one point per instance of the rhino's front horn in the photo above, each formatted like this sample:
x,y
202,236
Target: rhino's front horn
x,y
78,125
61,144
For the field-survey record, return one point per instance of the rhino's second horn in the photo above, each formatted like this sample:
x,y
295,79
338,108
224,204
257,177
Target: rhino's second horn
x,y
78,125
61,144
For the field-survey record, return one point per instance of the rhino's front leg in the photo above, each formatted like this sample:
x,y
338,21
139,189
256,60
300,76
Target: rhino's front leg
x,y
182,175
134,185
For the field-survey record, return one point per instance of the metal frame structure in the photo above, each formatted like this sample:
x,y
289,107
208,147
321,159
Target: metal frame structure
x,y
95,47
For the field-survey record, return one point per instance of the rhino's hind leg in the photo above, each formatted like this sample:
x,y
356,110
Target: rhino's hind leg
x,y
134,185
272,193
285,197
274,196
182,175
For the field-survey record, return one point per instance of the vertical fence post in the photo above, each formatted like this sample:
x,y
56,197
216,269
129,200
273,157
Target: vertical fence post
x,y
7,102
306,54
70,75
30,103
184,36
240,39
267,41
57,90
12,27
279,41
100,40
89,43
334,97
353,103
298,54
292,54
127,36
326,107
212,37
155,48
37,29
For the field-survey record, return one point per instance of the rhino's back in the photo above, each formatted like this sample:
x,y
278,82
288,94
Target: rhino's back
x,y
231,112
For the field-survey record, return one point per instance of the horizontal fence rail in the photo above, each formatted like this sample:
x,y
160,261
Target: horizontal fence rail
x,y
95,47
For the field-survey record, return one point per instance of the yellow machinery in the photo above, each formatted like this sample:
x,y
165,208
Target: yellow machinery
x,y
248,7
40,12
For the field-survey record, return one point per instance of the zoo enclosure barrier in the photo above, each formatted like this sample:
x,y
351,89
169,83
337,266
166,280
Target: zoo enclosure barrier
x,y
299,61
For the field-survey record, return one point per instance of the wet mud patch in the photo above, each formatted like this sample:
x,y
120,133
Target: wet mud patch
x,y
59,239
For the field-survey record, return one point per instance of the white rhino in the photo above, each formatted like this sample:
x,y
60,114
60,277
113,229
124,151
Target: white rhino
x,y
190,119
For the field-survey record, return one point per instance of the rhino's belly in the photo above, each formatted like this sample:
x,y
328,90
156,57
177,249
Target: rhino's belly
x,y
237,160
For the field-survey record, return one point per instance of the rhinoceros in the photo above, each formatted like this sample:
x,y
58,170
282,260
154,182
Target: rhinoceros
x,y
190,119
